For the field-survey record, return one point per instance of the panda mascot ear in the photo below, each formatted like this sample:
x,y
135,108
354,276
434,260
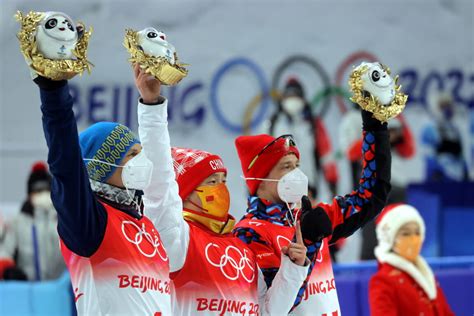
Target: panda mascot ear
x,y
80,30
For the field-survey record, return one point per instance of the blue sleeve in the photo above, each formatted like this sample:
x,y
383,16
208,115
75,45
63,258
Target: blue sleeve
x,y
81,218
430,136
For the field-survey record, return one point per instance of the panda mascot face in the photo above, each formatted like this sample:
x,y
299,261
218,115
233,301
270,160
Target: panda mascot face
x,y
378,82
154,43
57,36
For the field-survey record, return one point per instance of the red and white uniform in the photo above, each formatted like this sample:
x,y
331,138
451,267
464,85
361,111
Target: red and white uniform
x,y
219,275
130,266
212,274
320,297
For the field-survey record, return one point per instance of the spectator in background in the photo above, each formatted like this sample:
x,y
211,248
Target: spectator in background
x,y
350,142
404,283
443,142
6,262
31,238
294,116
402,144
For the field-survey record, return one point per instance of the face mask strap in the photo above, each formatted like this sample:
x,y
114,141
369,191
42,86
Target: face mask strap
x,y
260,179
296,215
289,214
107,163
104,162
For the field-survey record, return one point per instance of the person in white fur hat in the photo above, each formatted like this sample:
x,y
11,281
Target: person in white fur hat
x,y
404,283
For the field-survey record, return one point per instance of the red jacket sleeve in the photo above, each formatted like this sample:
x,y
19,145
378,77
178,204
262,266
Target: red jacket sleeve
x,y
382,300
323,148
406,148
5,263
323,142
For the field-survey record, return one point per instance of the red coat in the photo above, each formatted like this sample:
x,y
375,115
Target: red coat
x,y
393,292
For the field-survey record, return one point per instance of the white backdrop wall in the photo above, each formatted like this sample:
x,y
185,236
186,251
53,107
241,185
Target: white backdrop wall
x,y
430,42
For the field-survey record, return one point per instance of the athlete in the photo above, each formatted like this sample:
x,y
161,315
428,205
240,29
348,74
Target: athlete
x,y
275,184
113,252
213,273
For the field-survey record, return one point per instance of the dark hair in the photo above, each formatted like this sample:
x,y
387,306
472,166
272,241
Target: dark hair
x,y
39,179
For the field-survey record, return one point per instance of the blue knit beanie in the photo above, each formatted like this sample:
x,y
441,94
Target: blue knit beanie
x,y
105,141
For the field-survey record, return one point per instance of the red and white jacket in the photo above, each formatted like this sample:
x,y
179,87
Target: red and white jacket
x,y
117,263
265,227
320,297
130,266
212,274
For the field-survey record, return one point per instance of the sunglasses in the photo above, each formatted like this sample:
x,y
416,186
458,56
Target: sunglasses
x,y
289,142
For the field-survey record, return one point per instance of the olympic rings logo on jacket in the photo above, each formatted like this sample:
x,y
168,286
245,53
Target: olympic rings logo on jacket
x,y
239,264
142,236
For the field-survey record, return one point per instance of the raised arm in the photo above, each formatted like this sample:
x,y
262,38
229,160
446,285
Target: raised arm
x,y
81,218
161,198
350,212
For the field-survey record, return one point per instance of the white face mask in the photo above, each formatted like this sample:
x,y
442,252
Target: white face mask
x,y
292,105
136,173
291,187
42,200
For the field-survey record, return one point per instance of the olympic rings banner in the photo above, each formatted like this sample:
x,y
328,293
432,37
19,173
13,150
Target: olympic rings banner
x,y
240,55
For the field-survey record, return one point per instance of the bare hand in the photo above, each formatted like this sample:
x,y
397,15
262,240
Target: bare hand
x,y
296,251
148,86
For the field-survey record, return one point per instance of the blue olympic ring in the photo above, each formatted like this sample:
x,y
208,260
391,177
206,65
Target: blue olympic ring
x,y
237,127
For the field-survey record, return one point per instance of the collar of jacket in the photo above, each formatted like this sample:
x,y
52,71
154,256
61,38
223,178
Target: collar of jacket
x,y
419,271
268,211
119,198
217,225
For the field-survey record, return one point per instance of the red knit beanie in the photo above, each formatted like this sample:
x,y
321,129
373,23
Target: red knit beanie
x,y
248,148
192,167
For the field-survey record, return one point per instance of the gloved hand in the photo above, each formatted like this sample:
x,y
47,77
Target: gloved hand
x,y
315,223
